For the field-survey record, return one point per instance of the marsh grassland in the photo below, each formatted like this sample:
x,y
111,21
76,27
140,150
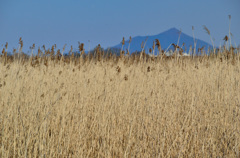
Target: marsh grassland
x,y
127,106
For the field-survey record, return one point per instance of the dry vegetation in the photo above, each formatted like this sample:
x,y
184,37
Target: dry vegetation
x,y
126,106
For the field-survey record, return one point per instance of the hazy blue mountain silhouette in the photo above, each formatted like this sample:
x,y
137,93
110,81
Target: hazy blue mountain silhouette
x,y
166,39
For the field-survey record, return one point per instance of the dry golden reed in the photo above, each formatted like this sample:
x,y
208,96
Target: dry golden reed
x,y
120,107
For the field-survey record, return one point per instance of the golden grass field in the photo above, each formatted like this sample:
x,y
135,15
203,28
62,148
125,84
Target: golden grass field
x,y
179,107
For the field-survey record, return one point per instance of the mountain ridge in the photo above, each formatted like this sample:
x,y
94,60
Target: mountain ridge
x,y
166,39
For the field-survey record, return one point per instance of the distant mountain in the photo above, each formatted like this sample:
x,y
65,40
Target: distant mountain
x,y
166,39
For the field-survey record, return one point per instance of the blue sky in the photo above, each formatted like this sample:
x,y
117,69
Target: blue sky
x,y
106,21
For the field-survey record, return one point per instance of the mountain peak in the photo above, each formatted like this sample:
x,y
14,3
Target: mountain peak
x,y
173,30
166,38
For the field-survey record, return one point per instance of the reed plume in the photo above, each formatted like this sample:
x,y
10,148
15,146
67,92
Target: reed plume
x,y
229,17
153,50
123,43
130,40
209,33
195,43
158,46
6,45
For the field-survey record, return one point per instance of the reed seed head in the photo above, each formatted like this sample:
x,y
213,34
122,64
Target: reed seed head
x,y
21,42
206,29
130,39
123,41
44,48
64,47
126,77
200,49
6,45
3,51
80,46
70,50
158,43
118,69
148,69
153,45
52,49
39,51
225,38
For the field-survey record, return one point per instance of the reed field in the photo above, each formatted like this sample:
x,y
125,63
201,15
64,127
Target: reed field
x,y
119,106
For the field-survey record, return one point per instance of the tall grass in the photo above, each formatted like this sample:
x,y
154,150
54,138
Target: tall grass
x,y
103,105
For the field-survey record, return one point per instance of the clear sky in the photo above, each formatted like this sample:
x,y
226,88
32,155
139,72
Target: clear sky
x,y
107,21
